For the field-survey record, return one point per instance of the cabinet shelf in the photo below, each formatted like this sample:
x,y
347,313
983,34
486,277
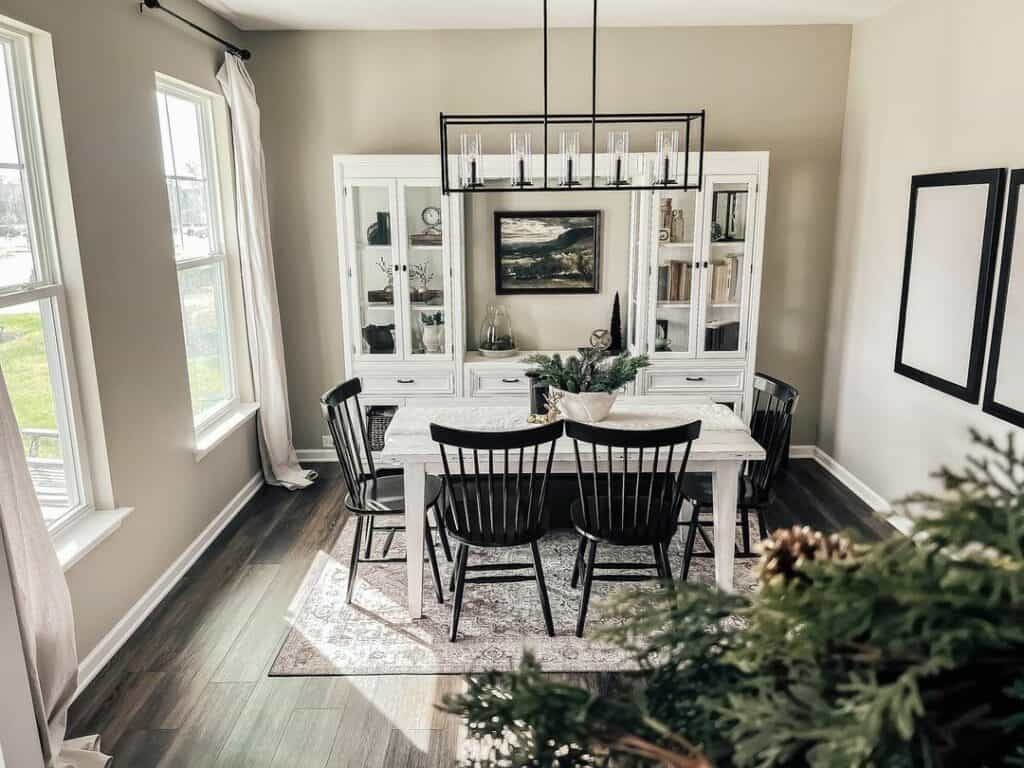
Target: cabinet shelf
x,y
671,244
674,304
414,247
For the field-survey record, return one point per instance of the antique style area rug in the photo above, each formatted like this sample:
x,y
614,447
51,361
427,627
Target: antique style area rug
x,y
375,636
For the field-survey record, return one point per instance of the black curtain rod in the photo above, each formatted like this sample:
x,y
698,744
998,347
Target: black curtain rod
x,y
243,53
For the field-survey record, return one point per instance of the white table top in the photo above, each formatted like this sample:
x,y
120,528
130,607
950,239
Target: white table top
x,y
724,436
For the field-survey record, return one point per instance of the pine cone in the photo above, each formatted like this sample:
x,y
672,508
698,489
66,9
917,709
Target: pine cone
x,y
784,553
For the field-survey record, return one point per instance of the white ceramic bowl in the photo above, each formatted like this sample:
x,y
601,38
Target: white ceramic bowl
x,y
585,406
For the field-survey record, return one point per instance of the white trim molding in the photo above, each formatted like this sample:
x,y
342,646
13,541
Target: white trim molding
x,y
217,433
317,455
75,541
104,651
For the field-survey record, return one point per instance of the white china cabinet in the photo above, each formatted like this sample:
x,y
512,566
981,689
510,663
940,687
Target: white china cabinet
x,y
402,296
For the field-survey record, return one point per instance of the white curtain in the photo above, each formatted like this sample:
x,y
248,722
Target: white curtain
x,y
263,319
41,601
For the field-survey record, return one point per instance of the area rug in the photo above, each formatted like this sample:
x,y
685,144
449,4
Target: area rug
x,y
375,636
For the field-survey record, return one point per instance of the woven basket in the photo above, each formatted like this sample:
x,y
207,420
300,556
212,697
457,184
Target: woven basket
x,y
377,420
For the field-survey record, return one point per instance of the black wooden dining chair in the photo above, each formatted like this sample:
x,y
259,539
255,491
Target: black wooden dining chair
x,y
373,493
770,425
496,502
629,497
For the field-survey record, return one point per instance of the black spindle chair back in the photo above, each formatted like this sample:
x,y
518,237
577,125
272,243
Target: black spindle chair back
x,y
347,424
630,486
496,482
770,424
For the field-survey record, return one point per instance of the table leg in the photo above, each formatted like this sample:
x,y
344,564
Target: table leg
x,y
415,506
726,479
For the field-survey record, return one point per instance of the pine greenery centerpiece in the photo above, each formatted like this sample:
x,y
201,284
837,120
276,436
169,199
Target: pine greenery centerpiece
x,y
905,654
590,371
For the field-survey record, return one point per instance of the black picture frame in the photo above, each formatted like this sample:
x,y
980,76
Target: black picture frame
x,y
995,180
990,405
505,285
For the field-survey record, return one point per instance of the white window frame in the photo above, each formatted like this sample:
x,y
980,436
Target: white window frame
x,y
48,285
211,428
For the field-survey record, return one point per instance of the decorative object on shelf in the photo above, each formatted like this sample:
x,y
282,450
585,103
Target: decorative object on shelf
x,y
952,232
433,331
387,294
588,383
620,170
717,233
725,271
547,252
379,233
1004,395
662,343
729,214
424,275
600,339
496,336
615,327
431,235
677,226
471,165
569,159
380,339
520,159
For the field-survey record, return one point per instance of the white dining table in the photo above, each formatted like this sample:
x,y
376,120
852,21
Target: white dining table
x,y
724,444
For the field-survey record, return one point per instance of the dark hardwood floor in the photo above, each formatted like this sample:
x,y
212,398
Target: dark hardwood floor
x,y
190,688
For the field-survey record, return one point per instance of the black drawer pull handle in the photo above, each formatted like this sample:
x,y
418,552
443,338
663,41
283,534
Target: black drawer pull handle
x,y
695,378
406,381
510,381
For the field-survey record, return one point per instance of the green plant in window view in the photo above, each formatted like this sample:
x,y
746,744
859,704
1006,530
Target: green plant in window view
x,y
205,335
25,369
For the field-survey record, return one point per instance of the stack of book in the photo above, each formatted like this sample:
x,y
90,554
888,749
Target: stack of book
x,y
675,280
724,279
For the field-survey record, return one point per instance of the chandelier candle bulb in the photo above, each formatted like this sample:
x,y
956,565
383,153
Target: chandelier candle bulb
x,y
521,159
618,158
667,163
472,149
569,154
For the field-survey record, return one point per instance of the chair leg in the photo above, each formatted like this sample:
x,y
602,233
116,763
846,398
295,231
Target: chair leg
x,y
432,556
442,533
762,527
745,520
460,585
588,581
691,539
542,589
580,550
665,560
387,543
658,562
353,564
704,537
369,537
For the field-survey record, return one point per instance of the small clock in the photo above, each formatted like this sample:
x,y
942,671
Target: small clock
x,y
431,216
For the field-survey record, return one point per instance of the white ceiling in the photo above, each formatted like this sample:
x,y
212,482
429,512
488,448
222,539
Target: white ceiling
x,y
503,14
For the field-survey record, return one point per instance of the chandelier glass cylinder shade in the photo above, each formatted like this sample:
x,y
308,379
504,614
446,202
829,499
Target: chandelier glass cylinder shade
x,y
675,161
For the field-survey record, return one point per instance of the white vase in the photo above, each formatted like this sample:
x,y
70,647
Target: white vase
x,y
585,406
433,338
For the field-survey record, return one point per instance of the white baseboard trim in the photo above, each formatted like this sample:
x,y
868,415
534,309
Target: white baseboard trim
x,y
316,455
802,451
104,651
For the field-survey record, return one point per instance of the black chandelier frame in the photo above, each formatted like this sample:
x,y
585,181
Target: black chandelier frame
x,y
693,124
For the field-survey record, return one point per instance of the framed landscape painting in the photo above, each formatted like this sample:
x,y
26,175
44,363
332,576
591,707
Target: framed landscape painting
x,y
547,252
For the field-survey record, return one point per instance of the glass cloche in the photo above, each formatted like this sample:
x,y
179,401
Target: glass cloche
x,y
496,336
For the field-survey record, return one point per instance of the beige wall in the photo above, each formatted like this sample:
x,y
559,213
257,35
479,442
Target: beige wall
x,y
934,86
780,89
106,54
547,322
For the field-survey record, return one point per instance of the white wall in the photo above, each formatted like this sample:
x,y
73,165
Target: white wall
x,y
934,85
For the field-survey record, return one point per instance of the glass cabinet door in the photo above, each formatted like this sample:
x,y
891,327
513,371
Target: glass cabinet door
x,y
726,265
375,266
674,275
425,268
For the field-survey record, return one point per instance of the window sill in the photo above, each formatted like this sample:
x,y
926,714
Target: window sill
x,y
217,433
85,534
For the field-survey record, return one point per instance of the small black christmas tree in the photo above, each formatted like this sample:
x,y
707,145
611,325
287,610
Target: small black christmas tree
x,y
616,327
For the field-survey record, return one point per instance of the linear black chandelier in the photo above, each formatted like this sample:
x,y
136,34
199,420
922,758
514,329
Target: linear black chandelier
x,y
660,169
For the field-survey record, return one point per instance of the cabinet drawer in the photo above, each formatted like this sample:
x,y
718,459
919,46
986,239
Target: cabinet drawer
x,y
409,382
509,381
662,381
